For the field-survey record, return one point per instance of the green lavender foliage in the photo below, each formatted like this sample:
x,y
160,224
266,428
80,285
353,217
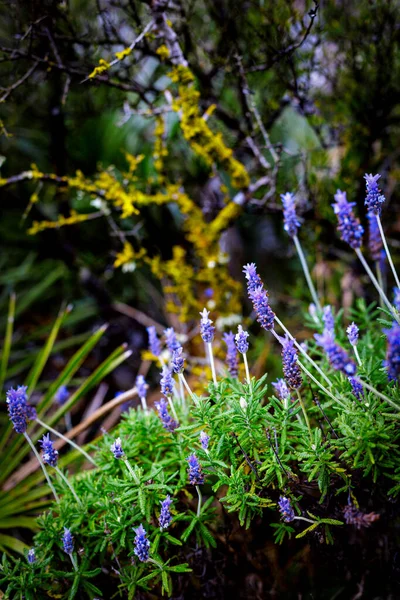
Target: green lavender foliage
x,y
258,451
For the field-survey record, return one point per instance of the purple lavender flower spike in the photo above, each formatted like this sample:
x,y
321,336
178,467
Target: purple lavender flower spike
x,y
356,388
204,440
170,340
31,413
253,279
177,361
165,515
50,454
207,330
375,243
196,476
168,422
291,222
291,369
286,509
154,342
396,297
337,356
17,403
166,382
231,354
31,556
281,389
116,448
142,544
241,340
68,541
351,231
62,395
265,314
141,386
392,362
328,319
352,333
374,198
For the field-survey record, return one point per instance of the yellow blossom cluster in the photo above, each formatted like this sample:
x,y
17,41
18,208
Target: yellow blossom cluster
x,y
101,68
128,255
61,221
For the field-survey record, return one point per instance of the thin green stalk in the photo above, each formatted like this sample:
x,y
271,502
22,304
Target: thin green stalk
x,y
131,471
173,408
199,502
144,404
70,442
319,384
304,519
376,284
246,366
73,562
306,271
65,479
210,354
357,355
36,453
185,383
380,280
303,352
379,394
5,354
303,408
378,220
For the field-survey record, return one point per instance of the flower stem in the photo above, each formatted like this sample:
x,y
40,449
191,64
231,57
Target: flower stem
x,y
319,384
173,408
303,408
73,561
304,519
70,442
376,284
379,276
306,271
199,502
210,354
36,453
246,366
357,356
378,220
65,479
379,394
182,378
303,352
144,404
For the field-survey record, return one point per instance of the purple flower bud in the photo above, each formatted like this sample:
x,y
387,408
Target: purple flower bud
x,y
291,369
168,422
170,340
352,333
116,448
351,231
265,314
356,388
167,385
204,440
375,243
31,556
374,198
177,361
392,362
196,476
286,509
241,340
253,279
62,395
291,222
49,453
281,389
68,541
142,544
165,515
154,342
231,354
207,330
31,413
141,386
17,403
337,356
328,319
